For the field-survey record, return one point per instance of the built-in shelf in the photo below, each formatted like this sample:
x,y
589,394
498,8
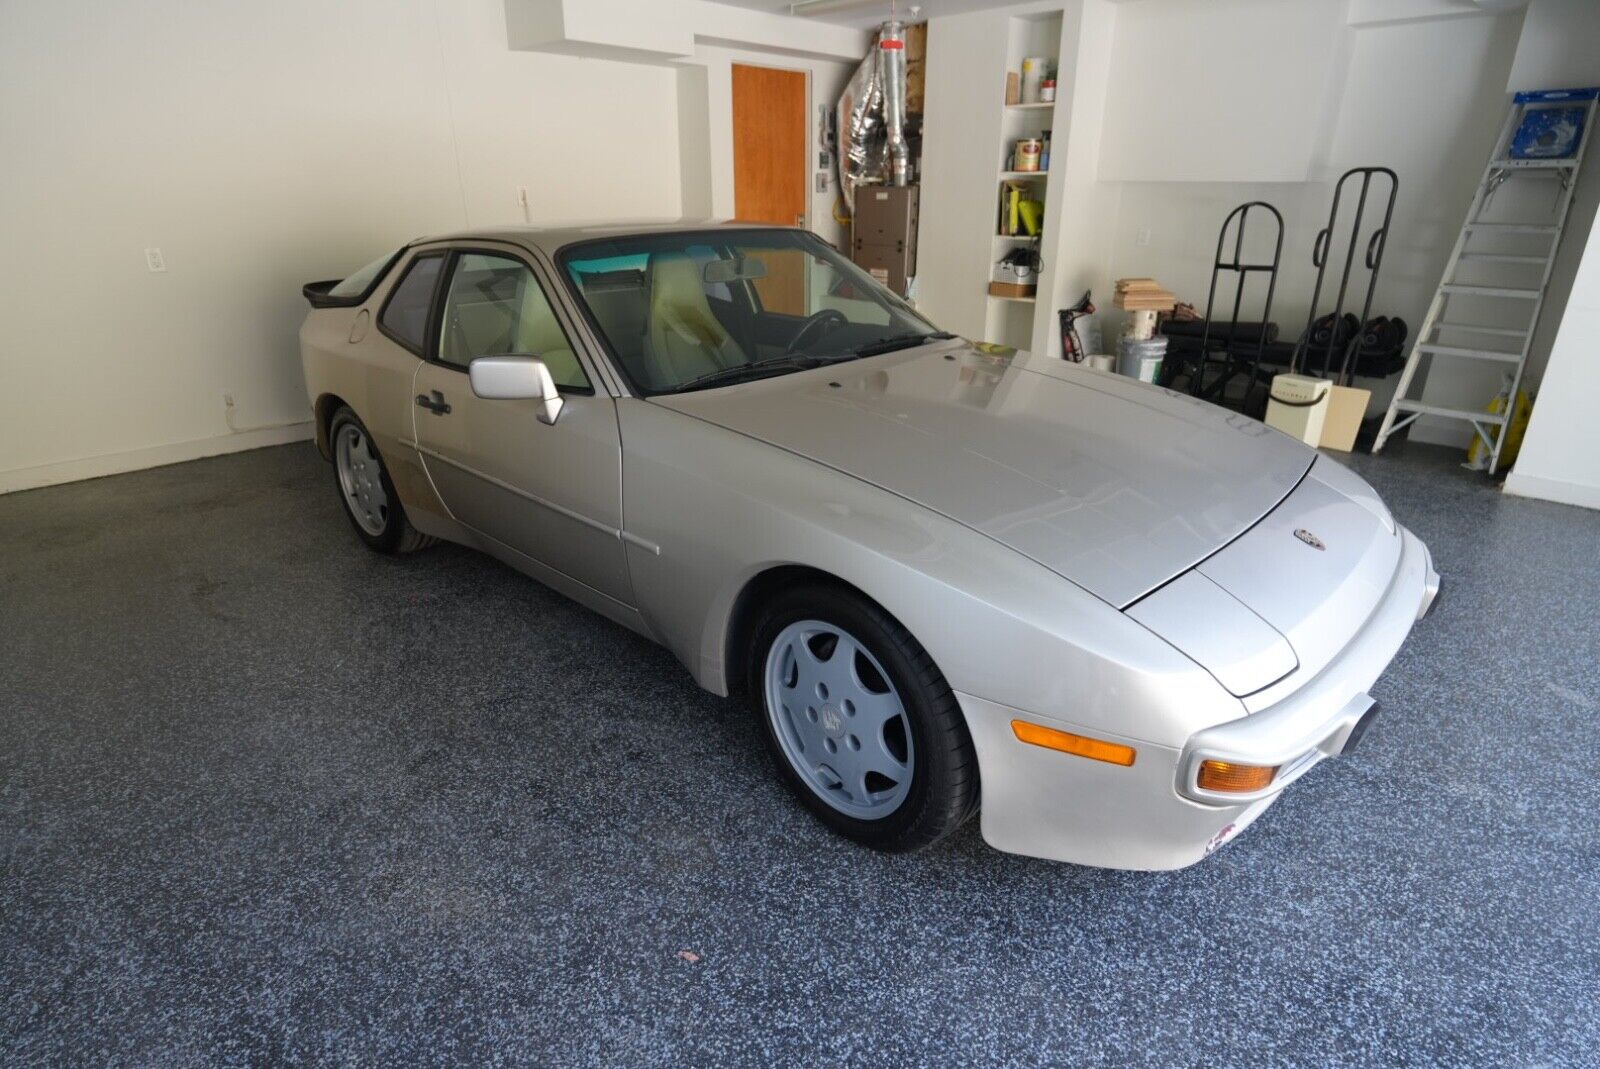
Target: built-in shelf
x,y
1035,33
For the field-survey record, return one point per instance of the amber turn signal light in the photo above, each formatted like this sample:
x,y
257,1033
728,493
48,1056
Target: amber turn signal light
x,y
1081,745
1229,778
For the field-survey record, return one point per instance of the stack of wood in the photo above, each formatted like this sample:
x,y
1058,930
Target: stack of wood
x,y
1143,295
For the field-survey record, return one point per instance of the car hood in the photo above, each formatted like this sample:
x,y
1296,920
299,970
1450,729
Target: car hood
x,y
1115,485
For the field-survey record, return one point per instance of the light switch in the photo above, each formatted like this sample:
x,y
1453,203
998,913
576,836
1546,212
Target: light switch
x,y
154,260
1142,237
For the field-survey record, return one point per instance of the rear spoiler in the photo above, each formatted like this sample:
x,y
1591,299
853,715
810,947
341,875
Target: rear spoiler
x,y
319,297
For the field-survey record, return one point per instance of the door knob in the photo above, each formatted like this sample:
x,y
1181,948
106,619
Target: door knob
x,y
436,404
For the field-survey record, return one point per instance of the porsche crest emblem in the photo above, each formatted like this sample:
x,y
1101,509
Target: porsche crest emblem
x,y
1308,538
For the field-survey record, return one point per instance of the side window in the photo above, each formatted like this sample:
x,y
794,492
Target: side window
x,y
405,315
495,306
362,282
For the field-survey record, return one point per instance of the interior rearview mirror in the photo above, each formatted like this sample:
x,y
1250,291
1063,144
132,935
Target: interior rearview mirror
x,y
516,377
739,269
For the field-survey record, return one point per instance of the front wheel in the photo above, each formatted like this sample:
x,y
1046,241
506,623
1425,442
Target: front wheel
x,y
859,720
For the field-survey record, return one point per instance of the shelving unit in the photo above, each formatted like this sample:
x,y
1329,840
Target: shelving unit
x,y
1010,320
969,135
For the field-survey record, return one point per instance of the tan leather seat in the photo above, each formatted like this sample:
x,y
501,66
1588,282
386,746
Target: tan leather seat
x,y
490,321
684,338
540,334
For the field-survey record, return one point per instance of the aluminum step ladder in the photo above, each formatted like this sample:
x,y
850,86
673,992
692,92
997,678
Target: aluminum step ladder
x,y
1464,337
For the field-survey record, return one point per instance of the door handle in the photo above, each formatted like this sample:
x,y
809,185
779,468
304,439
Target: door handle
x,y
437,404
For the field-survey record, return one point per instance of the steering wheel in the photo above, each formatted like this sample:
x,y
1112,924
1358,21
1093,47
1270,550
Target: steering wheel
x,y
817,326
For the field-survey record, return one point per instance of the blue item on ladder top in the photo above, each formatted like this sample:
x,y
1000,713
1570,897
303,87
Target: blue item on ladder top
x,y
1556,96
1549,133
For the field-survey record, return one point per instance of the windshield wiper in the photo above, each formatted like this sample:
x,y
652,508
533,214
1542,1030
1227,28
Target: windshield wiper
x,y
758,369
889,345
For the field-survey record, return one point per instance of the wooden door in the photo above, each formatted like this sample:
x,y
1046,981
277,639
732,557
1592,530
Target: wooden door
x,y
769,145
769,171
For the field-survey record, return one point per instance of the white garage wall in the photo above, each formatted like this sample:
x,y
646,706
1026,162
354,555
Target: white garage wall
x,y
260,146
1426,98
1209,92
1558,459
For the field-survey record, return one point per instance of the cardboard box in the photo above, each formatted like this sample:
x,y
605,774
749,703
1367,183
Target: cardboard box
x,y
1347,407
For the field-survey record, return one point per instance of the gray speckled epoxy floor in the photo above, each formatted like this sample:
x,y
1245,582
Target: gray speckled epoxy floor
x,y
268,798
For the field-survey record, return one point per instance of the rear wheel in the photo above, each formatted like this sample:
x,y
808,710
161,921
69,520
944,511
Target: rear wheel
x,y
858,719
364,488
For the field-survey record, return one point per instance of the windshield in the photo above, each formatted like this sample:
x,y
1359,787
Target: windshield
x,y
692,310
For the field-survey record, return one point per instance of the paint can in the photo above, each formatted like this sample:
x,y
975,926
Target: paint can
x,y
1141,359
1028,150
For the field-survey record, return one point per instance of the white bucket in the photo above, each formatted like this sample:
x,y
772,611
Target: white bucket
x,y
1141,359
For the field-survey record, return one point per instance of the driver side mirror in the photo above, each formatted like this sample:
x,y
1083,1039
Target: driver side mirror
x,y
516,377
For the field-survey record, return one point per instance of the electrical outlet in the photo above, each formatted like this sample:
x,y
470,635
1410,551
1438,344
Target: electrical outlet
x,y
822,181
154,260
1142,237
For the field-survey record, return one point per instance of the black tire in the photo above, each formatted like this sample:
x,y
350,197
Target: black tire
x,y
944,786
397,535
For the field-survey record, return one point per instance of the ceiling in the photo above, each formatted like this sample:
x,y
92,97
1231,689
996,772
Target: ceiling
x,y
868,13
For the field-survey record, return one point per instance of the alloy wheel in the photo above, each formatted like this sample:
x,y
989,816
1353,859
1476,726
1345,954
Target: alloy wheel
x,y
839,720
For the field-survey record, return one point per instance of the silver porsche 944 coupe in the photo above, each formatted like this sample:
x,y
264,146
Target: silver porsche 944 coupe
x,y
1114,621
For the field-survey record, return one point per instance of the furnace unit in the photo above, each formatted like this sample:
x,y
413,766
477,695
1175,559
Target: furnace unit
x,y
884,234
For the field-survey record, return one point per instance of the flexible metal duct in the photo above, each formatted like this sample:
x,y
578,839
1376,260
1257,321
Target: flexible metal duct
x,y
892,68
872,117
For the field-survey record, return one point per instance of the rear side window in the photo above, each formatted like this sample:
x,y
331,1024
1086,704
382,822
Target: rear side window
x,y
361,283
405,316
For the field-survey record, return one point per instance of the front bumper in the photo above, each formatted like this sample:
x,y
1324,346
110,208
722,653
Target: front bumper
x,y
1151,815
